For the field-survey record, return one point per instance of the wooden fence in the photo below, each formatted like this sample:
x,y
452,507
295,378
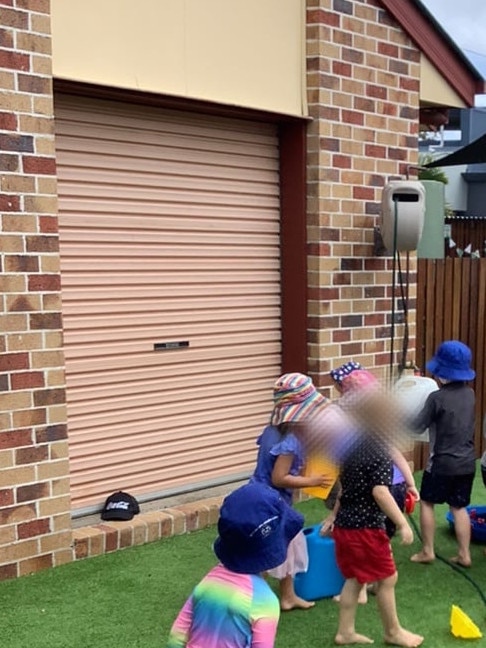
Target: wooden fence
x,y
451,304
466,231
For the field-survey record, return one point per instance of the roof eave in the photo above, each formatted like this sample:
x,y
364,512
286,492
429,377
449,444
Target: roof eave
x,y
439,48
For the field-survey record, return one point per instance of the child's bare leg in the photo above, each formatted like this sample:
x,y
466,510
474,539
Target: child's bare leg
x,y
394,633
362,597
289,599
427,528
462,527
348,603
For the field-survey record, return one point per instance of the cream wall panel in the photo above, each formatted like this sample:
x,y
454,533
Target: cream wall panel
x,y
247,53
435,89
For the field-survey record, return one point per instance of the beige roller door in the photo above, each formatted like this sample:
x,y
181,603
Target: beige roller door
x,y
169,234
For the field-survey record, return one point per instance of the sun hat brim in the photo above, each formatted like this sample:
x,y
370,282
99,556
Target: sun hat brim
x,y
441,370
253,558
297,412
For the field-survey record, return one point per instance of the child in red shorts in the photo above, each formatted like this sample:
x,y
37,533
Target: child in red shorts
x,y
363,549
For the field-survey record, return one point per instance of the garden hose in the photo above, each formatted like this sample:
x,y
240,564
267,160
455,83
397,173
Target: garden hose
x,y
456,568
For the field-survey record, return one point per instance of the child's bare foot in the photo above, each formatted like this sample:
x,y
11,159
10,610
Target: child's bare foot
x,y
342,639
295,603
404,638
423,557
461,561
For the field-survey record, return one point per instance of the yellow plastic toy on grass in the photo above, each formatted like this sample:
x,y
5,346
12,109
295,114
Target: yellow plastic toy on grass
x,y
462,626
318,465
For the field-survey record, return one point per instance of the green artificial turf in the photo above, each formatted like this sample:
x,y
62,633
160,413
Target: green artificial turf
x,y
130,598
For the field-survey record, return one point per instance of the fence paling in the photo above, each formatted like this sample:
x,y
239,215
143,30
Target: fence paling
x,y
451,305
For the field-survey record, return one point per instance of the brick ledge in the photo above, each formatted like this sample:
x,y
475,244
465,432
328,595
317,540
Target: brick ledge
x,y
106,537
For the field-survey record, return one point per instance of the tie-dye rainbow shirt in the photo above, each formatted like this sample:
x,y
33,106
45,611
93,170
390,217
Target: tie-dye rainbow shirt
x,y
227,610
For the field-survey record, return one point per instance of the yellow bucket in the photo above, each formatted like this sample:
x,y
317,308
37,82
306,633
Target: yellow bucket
x,y
462,626
318,465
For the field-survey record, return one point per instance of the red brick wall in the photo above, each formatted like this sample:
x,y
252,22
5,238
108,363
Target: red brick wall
x,y
35,524
363,93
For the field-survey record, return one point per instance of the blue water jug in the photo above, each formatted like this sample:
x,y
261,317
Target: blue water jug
x,y
323,577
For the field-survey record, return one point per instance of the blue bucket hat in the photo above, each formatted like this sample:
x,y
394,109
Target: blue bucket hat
x,y
452,361
255,528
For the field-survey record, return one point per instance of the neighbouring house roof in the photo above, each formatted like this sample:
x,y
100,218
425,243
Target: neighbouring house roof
x,y
473,153
438,47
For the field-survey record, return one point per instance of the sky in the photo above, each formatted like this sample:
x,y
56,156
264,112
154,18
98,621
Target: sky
x,y
465,22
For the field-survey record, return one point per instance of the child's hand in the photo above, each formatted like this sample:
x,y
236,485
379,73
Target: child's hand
x,y
327,525
320,480
406,533
414,491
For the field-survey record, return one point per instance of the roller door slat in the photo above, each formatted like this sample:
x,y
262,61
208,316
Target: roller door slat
x,y
169,231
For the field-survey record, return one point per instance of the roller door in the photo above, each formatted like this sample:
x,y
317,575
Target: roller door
x,y
169,238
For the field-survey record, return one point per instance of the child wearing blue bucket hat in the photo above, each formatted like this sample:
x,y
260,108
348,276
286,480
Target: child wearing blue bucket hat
x,y
233,606
449,474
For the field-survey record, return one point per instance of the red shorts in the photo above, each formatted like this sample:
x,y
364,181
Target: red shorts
x,y
364,554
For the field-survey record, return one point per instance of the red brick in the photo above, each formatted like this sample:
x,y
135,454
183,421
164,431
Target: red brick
x,y
6,38
366,105
39,165
407,83
15,439
8,202
387,49
21,304
44,283
48,224
33,528
33,454
14,60
378,92
316,16
329,143
352,349
8,571
34,84
14,142
21,263
8,121
363,193
39,6
14,361
49,397
397,154
352,117
27,380
342,161
15,18
49,321
342,69
341,335
325,294
352,55
398,67
6,497
51,433
32,565
32,492
9,162
374,319
376,151
42,244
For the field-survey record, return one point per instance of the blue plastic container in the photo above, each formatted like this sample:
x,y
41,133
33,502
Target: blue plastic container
x,y
478,522
323,578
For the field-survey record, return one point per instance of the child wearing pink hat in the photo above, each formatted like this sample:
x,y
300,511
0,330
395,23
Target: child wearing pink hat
x,y
279,465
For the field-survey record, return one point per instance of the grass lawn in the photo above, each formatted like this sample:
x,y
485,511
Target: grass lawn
x,y
130,598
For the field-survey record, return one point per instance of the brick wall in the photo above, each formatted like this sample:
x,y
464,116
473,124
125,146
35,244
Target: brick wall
x,y
35,524
363,92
